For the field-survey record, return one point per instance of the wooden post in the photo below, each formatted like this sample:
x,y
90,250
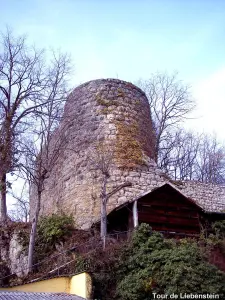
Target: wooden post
x,y
135,214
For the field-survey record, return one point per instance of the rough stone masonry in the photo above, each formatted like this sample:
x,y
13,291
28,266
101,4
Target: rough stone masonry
x,y
118,112
98,111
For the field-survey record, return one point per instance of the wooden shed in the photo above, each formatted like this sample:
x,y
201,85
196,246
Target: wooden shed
x,y
165,209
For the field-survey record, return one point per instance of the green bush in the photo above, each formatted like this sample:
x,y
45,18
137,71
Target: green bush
x,y
50,231
54,228
149,264
153,264
219,228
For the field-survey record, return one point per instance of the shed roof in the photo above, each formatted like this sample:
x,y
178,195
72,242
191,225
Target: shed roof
x,y
211,197
208,197
167,185
37,296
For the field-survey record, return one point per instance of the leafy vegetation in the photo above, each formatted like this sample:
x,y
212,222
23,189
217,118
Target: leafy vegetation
x,y
155,264
136,269
102,265
50,231
219,228
151,264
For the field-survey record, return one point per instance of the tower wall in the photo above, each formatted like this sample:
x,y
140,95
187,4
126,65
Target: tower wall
x,y
96,112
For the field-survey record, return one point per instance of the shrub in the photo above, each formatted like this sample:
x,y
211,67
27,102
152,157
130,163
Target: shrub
x,y
50,230
219,228
4,272
153,264
54,228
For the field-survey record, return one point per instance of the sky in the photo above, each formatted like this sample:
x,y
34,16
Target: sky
x,y
131,39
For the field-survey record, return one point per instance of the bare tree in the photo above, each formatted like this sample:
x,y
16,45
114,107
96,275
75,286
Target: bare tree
x,y
39,159
179,156
20,84
47,140
20,210
193,156
210,165
102,159
25,85
170,102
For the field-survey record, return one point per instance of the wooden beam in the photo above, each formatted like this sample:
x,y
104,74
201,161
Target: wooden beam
x,y
150,218
172,212
170,205
135,214
164,227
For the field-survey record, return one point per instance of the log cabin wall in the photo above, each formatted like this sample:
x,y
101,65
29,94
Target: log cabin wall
x,y
167,210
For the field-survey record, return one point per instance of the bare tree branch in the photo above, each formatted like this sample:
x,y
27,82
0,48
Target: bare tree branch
x,y
117,189
30,88
102,160
170,102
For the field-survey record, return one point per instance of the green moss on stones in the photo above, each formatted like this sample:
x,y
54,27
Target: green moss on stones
x,y
128,149
107,104
120,93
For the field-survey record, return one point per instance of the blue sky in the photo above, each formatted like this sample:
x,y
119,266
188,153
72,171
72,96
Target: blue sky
x,y
130,39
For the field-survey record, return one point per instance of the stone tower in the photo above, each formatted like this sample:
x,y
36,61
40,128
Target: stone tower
x,y
95,112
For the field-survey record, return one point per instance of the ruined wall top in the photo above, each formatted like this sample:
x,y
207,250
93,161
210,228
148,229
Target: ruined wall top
x,y
106,81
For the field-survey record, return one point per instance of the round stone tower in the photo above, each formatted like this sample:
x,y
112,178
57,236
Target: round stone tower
x,y
97,112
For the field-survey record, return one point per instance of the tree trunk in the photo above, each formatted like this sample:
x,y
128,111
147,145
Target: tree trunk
x,y
103,211
103,222
3,208
33,234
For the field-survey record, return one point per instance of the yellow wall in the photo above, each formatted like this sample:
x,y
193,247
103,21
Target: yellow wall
x,y
79,285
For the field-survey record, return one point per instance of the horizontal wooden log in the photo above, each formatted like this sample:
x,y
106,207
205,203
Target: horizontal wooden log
x,y
171,206
171,212
163,227
145,217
